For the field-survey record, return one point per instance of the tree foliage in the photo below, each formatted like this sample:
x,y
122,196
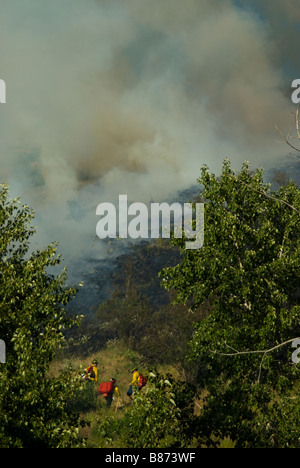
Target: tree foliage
x,y
249,271
158,417
33,407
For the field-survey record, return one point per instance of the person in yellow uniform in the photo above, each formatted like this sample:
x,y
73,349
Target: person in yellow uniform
x,y
92,372
135,378
95,371
134,386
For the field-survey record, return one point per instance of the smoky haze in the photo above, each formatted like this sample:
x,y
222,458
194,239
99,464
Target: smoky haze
x,y
110,97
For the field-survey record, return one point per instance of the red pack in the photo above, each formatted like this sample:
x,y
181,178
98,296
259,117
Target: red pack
x,y
142,381
106,387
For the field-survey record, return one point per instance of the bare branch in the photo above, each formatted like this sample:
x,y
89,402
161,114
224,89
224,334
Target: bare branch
x,y
260,369
286,139
297,122
262,351
289,137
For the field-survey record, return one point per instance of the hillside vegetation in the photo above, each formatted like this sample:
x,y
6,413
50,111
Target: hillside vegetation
x,y
213,329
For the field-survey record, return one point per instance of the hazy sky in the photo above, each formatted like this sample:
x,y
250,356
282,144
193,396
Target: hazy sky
x,y
110,97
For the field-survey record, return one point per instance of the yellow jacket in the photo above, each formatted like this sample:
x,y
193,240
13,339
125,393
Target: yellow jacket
x,y
96,374
135,378
95,370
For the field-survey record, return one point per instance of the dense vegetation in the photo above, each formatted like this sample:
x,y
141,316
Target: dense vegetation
x,y
33,409
212,328
249,272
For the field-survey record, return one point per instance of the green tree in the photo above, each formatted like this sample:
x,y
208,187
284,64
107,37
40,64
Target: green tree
x,y
153,420
248,270
33,408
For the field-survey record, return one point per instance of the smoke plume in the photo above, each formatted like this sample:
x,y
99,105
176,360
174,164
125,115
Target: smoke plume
x,y
110,97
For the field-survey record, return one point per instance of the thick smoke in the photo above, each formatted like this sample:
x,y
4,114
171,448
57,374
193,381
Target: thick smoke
x,y
110,97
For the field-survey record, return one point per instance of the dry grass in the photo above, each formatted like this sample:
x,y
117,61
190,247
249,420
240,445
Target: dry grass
x,y
115,360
